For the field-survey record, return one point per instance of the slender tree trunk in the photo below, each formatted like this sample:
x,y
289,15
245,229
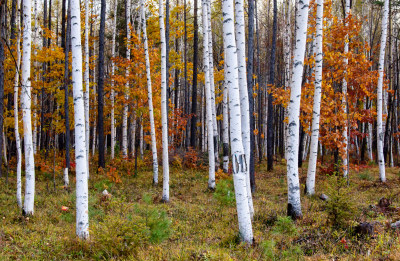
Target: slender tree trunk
x,y
35,31
270,117
312,161
164,112
193,124
16,119
288,59
380,131
244,98
82,195
250,58
225,128
26,111
87,83
128,57
212,86
3,28
100,85
150,96
66,96
294,205
240,174
112,95
344,98
209,112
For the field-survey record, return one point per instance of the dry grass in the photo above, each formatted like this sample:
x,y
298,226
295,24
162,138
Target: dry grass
x,y
201,227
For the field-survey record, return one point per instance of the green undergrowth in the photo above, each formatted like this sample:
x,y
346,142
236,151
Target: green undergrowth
x,y
199,224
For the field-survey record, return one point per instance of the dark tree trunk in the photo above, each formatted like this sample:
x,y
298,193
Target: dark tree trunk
x,y
42,99
167,54
271,81
12,21
66,90
100,85
193,126
3,28
185,86
250,58
301,142
63,24
260,113
49,40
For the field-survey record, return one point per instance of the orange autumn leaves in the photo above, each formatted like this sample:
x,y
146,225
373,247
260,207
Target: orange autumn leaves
x,y
361,80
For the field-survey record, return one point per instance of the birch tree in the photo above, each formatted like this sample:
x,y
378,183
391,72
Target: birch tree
x,y
16,120
87,81
212,85
209,112
128,57
312,161
164,112
26,111
344,92
82,195
243,91
239,163
294,205
380,130
150,95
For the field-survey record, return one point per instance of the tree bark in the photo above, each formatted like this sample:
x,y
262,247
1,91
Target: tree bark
x,y
238,154
271,82
312,161
380,131
294,205
164,111
82,195
193,124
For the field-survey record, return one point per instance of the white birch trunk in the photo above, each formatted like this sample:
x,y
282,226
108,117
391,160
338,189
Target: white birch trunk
x,y
344,97
312,161
209,101
150,96
82,195
16,120
212,85
35,31
294,205
26,110
287,46
240,173
380,131
112,81
87,83
128,57
164,112
244,98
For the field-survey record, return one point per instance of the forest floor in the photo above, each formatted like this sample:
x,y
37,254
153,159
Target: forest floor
x,y
198,224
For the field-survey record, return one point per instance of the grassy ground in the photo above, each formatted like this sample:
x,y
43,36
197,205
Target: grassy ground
x,y
198,224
